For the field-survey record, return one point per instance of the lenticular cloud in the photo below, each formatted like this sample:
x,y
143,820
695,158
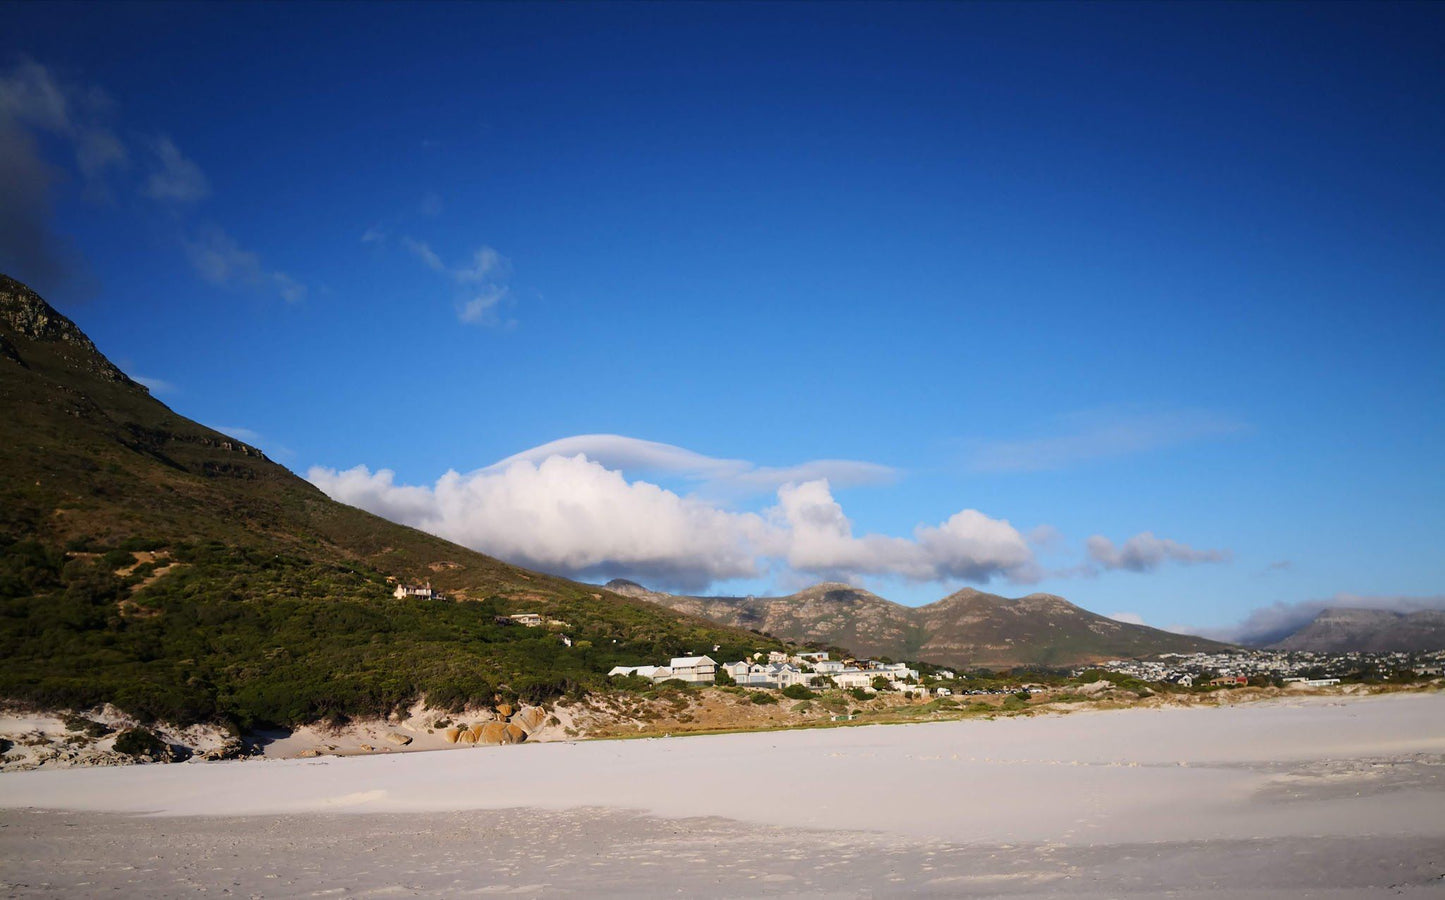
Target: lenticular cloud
x,y
574,516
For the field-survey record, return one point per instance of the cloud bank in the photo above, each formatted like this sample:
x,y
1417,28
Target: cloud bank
x,y
1100,434
1269,624
573,515
1144,553
630,454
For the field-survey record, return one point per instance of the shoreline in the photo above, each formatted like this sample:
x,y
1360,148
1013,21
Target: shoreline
x,y
1129,758
1305,797
52,745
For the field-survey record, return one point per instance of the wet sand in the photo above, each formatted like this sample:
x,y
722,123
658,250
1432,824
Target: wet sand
x,y
1312,797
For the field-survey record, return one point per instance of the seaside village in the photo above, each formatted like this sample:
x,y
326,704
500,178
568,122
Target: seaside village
x,y
1284,667
811,669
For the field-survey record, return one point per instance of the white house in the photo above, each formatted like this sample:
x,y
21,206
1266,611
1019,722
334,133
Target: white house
x,y
827,666
652,672
421,592
694,669
898,671
853,678
531,620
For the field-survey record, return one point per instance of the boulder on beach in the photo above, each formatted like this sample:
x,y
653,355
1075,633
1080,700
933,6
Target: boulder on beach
x,y
513,734
399,739
476,731
493,733
467,736
504,710
453,734
530,718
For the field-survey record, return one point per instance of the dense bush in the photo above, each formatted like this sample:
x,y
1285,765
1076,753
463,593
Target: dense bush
x,y
141,742
762,698
250,637
797,692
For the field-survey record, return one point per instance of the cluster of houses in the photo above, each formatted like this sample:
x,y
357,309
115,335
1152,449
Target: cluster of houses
x,y
417,591
780,670
1303,667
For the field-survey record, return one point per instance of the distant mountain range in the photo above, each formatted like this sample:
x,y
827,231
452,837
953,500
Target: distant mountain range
x,y
1343,629
966,628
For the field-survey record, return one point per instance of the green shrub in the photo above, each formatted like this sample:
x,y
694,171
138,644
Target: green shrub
x,y
762,698
141,742
118,559
858,693
88,727
797,692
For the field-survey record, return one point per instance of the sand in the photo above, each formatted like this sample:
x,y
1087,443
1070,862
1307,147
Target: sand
x,y
1306,797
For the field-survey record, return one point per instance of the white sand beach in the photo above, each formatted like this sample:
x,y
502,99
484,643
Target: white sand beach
x,y
1310,796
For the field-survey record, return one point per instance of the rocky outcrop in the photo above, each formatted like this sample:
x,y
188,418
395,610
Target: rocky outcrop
x,y
28,316
530,718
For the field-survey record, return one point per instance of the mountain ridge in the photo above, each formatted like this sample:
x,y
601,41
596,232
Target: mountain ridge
x,y
968,627
1344,628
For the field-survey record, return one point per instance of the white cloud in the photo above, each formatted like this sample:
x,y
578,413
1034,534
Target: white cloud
x,y
431,204
425,253
567,515
637,456
1129,618
480,282
217,258
481,309
373,235
1277,621
575,516
176,178
1144,552
968,546
1100,434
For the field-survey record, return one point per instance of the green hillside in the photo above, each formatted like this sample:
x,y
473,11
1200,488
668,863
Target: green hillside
x,y
152,562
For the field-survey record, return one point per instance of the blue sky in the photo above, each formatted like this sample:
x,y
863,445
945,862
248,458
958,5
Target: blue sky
x,y
1136,304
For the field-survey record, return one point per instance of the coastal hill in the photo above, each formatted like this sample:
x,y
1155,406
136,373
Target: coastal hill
x,y
966,628
1343,629
170,569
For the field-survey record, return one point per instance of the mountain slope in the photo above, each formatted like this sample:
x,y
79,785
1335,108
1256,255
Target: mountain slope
x,y
1343,629
153,562
829,613
967,628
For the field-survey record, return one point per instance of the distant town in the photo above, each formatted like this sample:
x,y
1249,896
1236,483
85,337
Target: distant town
x,y
816,671
1280,667
810,669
